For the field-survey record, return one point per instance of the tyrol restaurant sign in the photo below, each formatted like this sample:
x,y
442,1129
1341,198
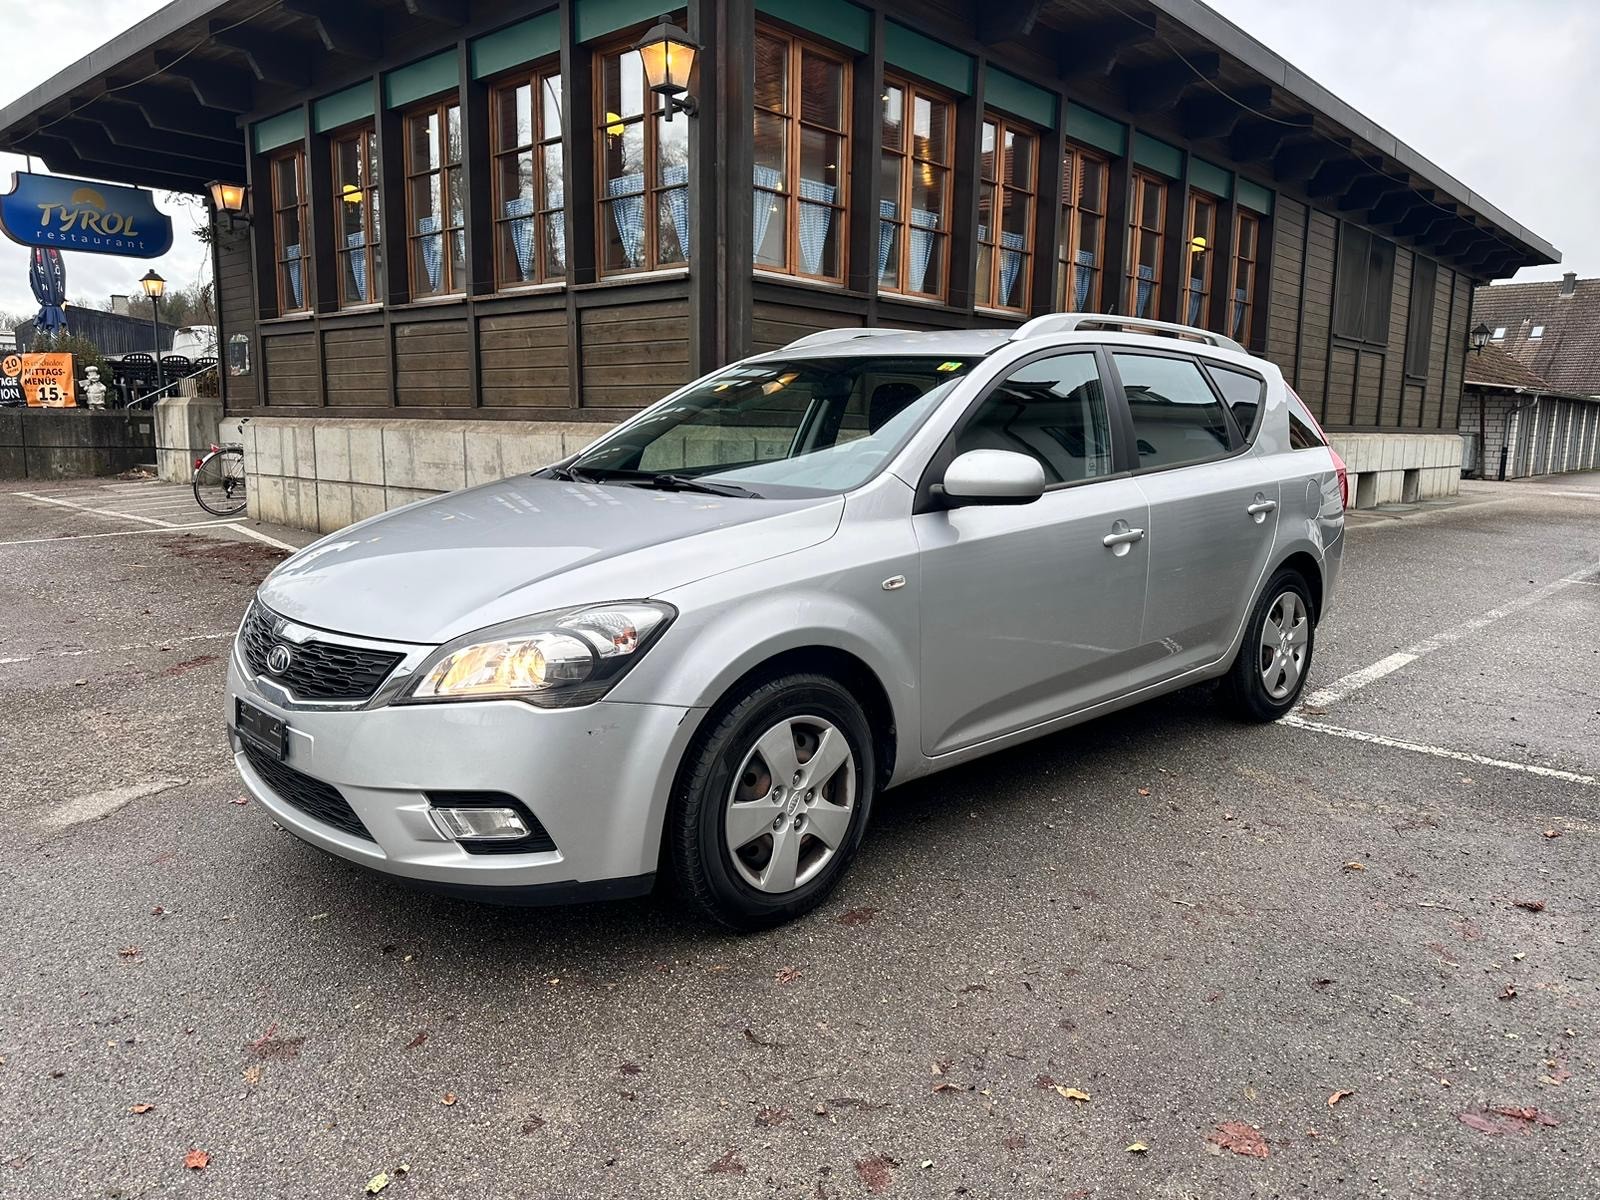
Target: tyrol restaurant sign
x,y
74,214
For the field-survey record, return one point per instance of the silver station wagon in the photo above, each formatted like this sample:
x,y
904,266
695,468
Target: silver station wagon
x,y
705,644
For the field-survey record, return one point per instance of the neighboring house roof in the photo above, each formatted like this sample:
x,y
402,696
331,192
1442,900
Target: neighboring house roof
x,y
1566,355
1494,368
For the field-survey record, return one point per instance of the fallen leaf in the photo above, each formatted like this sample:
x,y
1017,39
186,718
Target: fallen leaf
x,y
533,1124
141,1109
1509,994
448,1098
1552,833
938,1068
1240,1138
728,1164
196,1160
875,1172
1530,905
1044,1083
158,911
1481,1123
786,975
1338,1096
755,1041
1529,1115
252,1074
772,1117
1322,984
856,916
377,1183
1353,865
944,1085
1144,791
129,952
241,801
1137,1148
1070,1093
631,1068
1227,816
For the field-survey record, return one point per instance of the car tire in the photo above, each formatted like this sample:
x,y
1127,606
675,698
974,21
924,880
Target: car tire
x,y
730,868
1269,672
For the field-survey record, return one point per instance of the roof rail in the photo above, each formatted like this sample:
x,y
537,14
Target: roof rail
x,y
826,337
1073,322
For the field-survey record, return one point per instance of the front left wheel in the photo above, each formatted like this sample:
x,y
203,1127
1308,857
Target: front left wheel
x,y
772,802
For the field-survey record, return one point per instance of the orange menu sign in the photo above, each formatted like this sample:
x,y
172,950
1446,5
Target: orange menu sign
x,y
45,380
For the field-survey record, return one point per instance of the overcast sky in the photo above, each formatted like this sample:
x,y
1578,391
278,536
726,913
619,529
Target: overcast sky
x,y
1499,94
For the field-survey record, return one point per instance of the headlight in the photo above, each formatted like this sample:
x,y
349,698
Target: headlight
x,y
555,660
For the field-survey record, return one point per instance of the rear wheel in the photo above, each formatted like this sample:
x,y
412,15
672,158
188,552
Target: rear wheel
x,y
1269,673
219,482
772,803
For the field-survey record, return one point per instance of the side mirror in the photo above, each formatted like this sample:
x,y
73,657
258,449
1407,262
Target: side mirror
x,y
993,477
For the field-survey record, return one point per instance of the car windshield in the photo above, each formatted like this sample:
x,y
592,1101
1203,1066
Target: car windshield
x,y
787,427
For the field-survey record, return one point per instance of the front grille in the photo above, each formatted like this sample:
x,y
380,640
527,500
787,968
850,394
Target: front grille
x,y
318,670
318,800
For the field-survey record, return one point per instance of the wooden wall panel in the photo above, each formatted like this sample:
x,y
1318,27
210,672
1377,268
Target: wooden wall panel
x,y
236,313
1432,404
356,363
1454,350
1369,378
633,354
1341,385
1282,303
291,363
432,364
776,325
1321,244
523,360
1399,307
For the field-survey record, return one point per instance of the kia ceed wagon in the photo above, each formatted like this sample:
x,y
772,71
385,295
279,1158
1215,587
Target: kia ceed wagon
x,y
705,644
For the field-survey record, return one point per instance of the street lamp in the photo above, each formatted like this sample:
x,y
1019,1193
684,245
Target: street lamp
x,y
229,199
1480,338
154,286
667,53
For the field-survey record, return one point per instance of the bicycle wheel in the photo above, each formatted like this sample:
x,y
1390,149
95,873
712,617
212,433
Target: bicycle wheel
x,y
219,482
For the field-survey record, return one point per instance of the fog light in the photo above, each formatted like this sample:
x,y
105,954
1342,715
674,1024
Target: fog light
x,y
479,824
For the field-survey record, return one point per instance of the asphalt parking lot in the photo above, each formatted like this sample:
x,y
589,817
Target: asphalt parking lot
x,y
1162,955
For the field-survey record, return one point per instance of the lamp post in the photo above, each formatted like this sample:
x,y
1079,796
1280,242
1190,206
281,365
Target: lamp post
x,y
153,286
1480,338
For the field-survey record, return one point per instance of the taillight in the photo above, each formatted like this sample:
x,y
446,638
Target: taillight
x,y
197,463
1344,479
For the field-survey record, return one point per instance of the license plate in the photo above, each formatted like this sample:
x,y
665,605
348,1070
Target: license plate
x,y
261,729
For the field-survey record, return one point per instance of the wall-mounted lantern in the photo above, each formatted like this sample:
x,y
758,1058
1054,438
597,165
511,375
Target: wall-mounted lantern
x,y
1480,338
668,55
229,200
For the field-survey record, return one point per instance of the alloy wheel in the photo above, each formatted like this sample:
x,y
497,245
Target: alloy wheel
x,y
1285,638
790,804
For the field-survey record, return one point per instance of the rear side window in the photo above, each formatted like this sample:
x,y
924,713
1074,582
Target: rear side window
x,y
1244,393
1177,418
1052,409
1303,431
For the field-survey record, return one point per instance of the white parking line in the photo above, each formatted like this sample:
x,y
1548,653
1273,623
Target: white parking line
x,y
99,512
1482,760
262,537
1356,680
84,537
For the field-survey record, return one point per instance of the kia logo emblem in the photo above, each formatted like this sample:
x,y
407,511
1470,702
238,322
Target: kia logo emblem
x,y
279,659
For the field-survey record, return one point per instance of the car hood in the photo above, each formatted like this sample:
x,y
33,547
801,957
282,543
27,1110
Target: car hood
x,y
437,569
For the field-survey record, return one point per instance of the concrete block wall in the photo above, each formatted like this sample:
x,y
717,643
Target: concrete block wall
x,y
324,473
1396,468
1500,426
187,426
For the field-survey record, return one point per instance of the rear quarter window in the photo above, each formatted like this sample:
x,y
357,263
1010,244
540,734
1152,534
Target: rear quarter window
x,y
1303,431
1245,394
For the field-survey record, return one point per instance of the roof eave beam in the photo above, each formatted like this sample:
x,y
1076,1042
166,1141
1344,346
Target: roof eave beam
x,y
345,28
1001,20
214,85
1093,51
1146,89
272,57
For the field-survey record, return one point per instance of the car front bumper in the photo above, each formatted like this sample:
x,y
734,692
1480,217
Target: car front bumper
x,y
597,778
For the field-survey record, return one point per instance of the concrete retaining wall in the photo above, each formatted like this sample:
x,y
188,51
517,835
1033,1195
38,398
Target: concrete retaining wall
x,y
325,473
1399,468
187,426
73,443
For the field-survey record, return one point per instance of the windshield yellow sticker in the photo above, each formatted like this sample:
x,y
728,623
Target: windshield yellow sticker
x,y
951,366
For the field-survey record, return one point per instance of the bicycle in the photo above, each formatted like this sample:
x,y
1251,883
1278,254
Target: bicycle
x,y
219,480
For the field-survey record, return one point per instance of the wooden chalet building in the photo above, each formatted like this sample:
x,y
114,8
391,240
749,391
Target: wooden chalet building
x,y
475,237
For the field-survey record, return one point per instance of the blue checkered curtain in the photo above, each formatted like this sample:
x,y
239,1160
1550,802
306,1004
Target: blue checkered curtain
x,y
627,214
1238,314
432,250
520,209
292,253
886,213
1195,300
1147,283
761,214
1011,260
1083,277
678,202
923,224
357,243
815,221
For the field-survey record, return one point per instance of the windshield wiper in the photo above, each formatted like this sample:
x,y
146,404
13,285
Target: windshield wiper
x,y
668,482
569,475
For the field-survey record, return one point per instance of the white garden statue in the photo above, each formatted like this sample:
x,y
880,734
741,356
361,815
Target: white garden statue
x,y
94,389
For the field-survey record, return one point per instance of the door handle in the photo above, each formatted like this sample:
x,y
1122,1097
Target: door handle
x,y
1261,506
1126,538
